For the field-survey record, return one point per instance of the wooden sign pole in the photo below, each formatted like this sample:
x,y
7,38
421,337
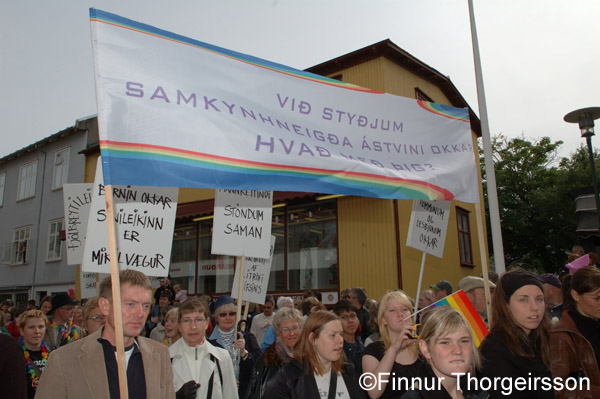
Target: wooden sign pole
x,y
116,293
240,262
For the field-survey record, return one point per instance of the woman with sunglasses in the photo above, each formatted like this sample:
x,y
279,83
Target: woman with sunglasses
x,y
242,347
318,369
287,325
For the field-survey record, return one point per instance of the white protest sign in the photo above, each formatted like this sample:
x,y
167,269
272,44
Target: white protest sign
x,y
256,277
144,223
242,224
77,199
428,226
88,284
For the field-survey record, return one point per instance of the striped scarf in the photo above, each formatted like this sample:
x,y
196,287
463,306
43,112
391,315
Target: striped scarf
x,y
229,340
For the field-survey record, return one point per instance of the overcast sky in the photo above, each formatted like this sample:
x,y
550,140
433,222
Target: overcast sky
x,y
540,58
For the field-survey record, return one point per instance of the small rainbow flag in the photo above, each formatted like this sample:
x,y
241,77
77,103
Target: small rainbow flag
x,y
461,302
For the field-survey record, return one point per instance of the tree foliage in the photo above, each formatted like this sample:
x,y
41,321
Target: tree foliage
x,y
536,212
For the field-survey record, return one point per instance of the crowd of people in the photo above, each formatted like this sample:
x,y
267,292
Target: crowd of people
x,y
543,342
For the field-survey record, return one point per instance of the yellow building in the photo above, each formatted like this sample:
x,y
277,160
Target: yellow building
x,y
328,243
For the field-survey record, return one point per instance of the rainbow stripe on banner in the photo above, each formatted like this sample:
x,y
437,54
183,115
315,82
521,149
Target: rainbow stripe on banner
x,y
460,302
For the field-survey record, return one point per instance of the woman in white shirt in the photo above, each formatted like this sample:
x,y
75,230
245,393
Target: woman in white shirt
x,y
200,370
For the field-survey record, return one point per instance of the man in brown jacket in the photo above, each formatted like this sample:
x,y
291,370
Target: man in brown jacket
x,y
88,368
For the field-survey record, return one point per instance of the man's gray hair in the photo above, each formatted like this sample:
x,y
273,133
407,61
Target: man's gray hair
x,y
282,301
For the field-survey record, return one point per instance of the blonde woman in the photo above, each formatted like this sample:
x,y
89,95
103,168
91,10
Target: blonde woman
x,y
167,331
396,353
447,346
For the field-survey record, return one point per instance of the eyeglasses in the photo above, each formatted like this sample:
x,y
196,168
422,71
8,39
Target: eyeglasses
x,y
189,322
96,318
287,330
225,314
349,317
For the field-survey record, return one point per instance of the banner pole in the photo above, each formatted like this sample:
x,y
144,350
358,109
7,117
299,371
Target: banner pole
x,y
116,293
420,283
240,261
487,152
246,308
484,265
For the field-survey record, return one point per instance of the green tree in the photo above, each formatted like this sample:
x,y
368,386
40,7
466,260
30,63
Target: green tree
x,y
536,212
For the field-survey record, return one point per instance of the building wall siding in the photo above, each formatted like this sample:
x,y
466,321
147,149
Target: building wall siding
x,y
367,245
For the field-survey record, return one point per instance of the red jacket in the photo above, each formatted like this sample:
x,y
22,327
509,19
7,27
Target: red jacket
x,y
13,329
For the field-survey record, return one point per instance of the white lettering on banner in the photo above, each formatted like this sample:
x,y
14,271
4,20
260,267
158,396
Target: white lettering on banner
x,y
428,226
270,128
144,220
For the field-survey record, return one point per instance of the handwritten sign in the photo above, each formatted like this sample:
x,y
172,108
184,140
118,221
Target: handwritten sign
x,y
88,284
256,277
77,199
242,224
144,222
428,226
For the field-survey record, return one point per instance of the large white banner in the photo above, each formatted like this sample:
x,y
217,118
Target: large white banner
x,y
144,223
173,111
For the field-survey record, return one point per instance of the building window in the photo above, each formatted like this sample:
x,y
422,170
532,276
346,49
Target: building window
x,y
20,245
54,243
183,257
61,168
2,184
312,247
305,255
420,95
464,237
27,178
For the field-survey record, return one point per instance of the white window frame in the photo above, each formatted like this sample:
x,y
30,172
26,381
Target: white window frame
x,y
2,185
61,168
54,243
27,180
20,245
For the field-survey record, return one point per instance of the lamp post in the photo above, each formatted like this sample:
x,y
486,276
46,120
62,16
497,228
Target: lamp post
x,y
585,117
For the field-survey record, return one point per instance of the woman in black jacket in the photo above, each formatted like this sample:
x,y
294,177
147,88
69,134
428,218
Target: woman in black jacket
x,y
318,369
287,325
517,347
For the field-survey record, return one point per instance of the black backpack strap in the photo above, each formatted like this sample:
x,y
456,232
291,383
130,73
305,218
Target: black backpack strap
x,y
212,377
332,384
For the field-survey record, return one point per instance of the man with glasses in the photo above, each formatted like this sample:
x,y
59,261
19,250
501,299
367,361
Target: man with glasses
x,y
88,368
61,329
261,322
357,296
353,346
